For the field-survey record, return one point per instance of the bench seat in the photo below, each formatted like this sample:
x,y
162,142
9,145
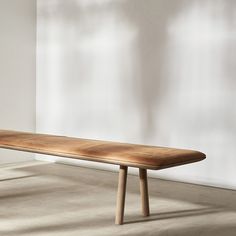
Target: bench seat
x,y
141,156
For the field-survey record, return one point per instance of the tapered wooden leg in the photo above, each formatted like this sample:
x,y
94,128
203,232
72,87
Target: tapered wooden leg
x,y
144,191
120,205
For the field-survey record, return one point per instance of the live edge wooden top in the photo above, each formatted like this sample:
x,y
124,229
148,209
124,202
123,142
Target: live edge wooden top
x,y
142,156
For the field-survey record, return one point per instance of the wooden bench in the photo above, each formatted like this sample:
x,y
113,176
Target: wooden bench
x,y
122,154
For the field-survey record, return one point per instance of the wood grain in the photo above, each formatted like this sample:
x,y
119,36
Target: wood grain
x,y
142,156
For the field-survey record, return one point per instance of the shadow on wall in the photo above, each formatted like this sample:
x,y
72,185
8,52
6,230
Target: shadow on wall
x,y
103,54
156,72
137,56
150,84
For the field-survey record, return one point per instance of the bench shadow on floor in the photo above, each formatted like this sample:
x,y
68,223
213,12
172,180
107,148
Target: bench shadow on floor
x,y
81,199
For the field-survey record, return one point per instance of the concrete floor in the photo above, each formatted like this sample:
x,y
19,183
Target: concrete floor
x,y
39,198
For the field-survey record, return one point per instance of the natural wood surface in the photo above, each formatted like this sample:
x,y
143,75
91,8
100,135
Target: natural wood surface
x,y
142,156
120,205
144,191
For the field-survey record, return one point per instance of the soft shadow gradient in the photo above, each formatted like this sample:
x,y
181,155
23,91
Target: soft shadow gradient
x,y
158,72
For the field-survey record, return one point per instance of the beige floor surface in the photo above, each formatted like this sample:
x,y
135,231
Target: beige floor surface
x,y
40,198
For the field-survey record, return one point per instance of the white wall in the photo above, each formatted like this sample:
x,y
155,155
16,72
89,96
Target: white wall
x,y
17,70
158,72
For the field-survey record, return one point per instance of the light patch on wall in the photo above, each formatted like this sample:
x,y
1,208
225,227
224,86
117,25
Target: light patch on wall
x,y
85,57
91,3
201,85
201,24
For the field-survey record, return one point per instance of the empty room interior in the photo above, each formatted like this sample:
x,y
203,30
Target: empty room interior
x,y
118,117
